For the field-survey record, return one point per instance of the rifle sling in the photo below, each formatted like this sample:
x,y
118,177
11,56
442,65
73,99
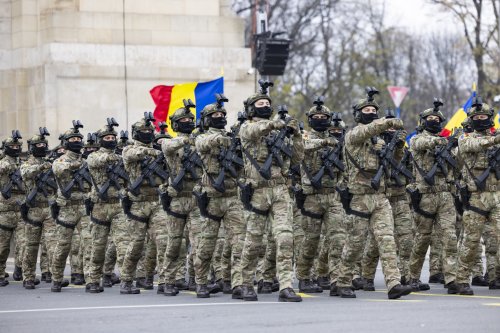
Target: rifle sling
x,y
356,164
100,222
474,178
253,161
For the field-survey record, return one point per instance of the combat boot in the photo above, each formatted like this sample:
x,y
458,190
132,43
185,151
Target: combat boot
x,y
181,284
127,287
191,284
48,278
44,277
106,281
149,283
288,295
3,282
276,285
213,288
436,278
464,289
495,284
56,287
346,292
79,280
264,287
202,291
6,275
73,276
64,283
452,288
115,279
226,287
18,273
417,285
358,283
404,282
399,290
479,281
237,293
334,289
140,282
249,294
29,284
36,281
308,287
369,285
324,282
170,290
93,288
161,288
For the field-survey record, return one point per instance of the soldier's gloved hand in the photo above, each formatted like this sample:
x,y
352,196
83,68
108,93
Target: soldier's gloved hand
x,y
154,152
440,141
224,141
395,123
329,142
278,124
75,165
46,166
379,145
293,124
402,136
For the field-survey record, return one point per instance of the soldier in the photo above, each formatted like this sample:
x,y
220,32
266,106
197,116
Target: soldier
x,y
479,193
320,207
74,183
178,200
270,147
145,167
369,208
431,197
109,178
218,200
403,234
40,187
12,191
91,145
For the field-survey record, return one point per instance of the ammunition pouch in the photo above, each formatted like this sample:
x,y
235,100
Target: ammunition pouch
x,y
24,211
165,200
415,198
89,206
203,201
300,199
465,195
345,200
458,204
54,210
246,198
126,205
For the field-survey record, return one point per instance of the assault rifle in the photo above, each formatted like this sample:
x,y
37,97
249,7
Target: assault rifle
x,y
443,157
150,169
79,177
115,173
16,180
42,182
189,161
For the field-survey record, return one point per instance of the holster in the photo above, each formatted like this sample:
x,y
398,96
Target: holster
x,y
165,200
465,198
24,211
126,204
89,206
345,200
246,198
415,198
203,201
54,209
300,198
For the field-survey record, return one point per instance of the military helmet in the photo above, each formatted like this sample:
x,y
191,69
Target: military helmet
x,y
467,125
108,129
73,132
262,94
13,140
39,138
162,134
435,111
319,108
368,101
91,141
145,123
478,107
213,108
181,113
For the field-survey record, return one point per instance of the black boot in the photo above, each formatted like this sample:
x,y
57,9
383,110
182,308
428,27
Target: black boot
x,y
404,281
417,285
48,278
170,290
191,284
56,287
398,290
358,283
237,293
18,273
226,287
73,276
64,283
324,282
464,289
213,288
479,281
308,287
36,281
161,288
149,283
202,291
93,288
346,292
181,284
494,284
3,282
6,274
140,282
452,288
106,281
436,278
44,277
334,289
29,284
369,285
249,293
276,285
127,287
288,295
264,287
79,280
115,279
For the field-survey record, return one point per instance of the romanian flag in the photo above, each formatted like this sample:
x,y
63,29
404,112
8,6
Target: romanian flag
x,y
459,116
169,98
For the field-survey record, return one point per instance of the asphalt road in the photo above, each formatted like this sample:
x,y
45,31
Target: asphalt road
x,y
73,310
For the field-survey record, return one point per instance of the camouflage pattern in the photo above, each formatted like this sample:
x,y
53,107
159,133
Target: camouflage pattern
x,y
437,200
272,196
362,149
436,252
71,211
473,148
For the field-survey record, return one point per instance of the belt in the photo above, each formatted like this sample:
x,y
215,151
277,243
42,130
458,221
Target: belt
x,y
66,225
435,189
100,222
74,202
270,183
148,197
110,201
41,204
6,228
183,194
33,223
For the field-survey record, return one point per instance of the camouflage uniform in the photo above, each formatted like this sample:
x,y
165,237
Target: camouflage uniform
x,y
223,207
10,217
38,222
484,204
436,200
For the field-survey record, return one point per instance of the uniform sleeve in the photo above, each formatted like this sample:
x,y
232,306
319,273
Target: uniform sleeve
x,y
422,142
29,170
298,150
311,145
169,147
361,133
58,167
252,131
469,144
206,143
